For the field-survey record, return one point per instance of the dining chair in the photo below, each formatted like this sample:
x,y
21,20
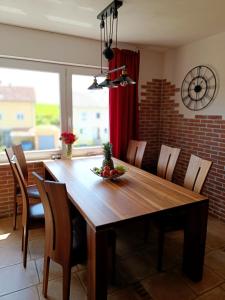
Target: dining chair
x,y
65,233
194,180
166,164
32,190
32,213
20,156
65,236
167,161
135,152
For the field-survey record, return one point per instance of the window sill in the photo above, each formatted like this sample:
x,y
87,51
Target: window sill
x,y
37,155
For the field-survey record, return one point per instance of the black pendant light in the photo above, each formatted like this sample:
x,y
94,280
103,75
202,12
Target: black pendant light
x,y
124,79
107,83
95,85
108,17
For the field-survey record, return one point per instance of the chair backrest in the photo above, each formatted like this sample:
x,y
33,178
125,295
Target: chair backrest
x,y
49,224
18,151
196,174
22,184
58,221
9,153
135,152
167,161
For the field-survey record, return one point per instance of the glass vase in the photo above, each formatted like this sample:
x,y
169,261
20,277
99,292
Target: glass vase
x,y
67,151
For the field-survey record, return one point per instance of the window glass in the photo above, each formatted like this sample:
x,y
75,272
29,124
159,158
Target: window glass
x,y
90,112
29,100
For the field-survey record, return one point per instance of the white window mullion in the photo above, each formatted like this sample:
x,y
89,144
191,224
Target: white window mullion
x,y
69,117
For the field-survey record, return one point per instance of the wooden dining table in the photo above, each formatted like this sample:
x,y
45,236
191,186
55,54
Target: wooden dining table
x,y
137,194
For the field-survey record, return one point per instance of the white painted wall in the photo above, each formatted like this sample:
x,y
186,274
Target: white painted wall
x,y
43,45
151,65
210,52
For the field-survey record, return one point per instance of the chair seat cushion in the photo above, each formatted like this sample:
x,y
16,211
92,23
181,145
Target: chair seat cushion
x,y
33,192
36,212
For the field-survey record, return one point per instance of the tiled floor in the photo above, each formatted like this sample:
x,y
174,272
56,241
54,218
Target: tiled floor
x,y
137,277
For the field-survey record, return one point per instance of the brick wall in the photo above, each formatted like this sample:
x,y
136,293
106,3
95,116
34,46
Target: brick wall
x,y
149,120
6,185
202,135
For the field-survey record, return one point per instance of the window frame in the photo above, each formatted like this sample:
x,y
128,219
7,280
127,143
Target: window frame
x,y
65,90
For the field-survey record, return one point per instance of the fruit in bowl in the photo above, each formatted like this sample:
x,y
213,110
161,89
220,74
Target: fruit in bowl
x,y
107,173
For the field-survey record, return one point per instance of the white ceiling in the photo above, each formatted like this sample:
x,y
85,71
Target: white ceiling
x,y
166,23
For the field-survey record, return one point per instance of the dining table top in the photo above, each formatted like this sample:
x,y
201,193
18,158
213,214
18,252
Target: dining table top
x,y
104,203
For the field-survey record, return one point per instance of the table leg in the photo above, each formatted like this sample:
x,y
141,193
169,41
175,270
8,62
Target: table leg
x,y
194,240
97,264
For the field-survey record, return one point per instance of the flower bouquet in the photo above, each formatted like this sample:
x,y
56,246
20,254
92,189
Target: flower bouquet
x,y
67,138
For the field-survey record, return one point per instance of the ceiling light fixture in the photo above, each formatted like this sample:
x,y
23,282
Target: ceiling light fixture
x,y
108,17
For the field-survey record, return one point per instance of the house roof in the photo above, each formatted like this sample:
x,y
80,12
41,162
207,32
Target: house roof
x,y
17,93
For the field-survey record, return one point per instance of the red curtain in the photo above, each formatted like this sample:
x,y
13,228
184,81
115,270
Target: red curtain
x,y
123,103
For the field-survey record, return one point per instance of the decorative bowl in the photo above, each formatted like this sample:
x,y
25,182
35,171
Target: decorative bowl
x,y
98,172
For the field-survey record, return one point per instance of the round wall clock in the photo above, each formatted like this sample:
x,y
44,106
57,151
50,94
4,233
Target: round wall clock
x,y
198,88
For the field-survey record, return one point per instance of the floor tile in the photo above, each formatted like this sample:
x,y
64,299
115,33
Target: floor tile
x,y
168,286
55,269
11,254
215,294
26,294
8,236
137,277
216,261
127,293
55,289
15,277
209,281
36,248
82,275
136,266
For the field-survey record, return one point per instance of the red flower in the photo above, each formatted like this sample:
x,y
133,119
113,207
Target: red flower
x,y
68,137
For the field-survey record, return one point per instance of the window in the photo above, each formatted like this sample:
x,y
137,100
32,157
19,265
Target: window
x,y
83,116
20,116
40,100
37,123
91,107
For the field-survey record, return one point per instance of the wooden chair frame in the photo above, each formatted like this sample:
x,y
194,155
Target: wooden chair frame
x,y
135,152
194,180
167,162
26,213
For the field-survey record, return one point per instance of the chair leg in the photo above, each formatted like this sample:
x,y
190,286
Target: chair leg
x,y
22,244
66,281
45,275
25,243
160,248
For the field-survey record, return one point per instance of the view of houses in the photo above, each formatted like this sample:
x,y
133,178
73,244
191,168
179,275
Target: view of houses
x,y
37,125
